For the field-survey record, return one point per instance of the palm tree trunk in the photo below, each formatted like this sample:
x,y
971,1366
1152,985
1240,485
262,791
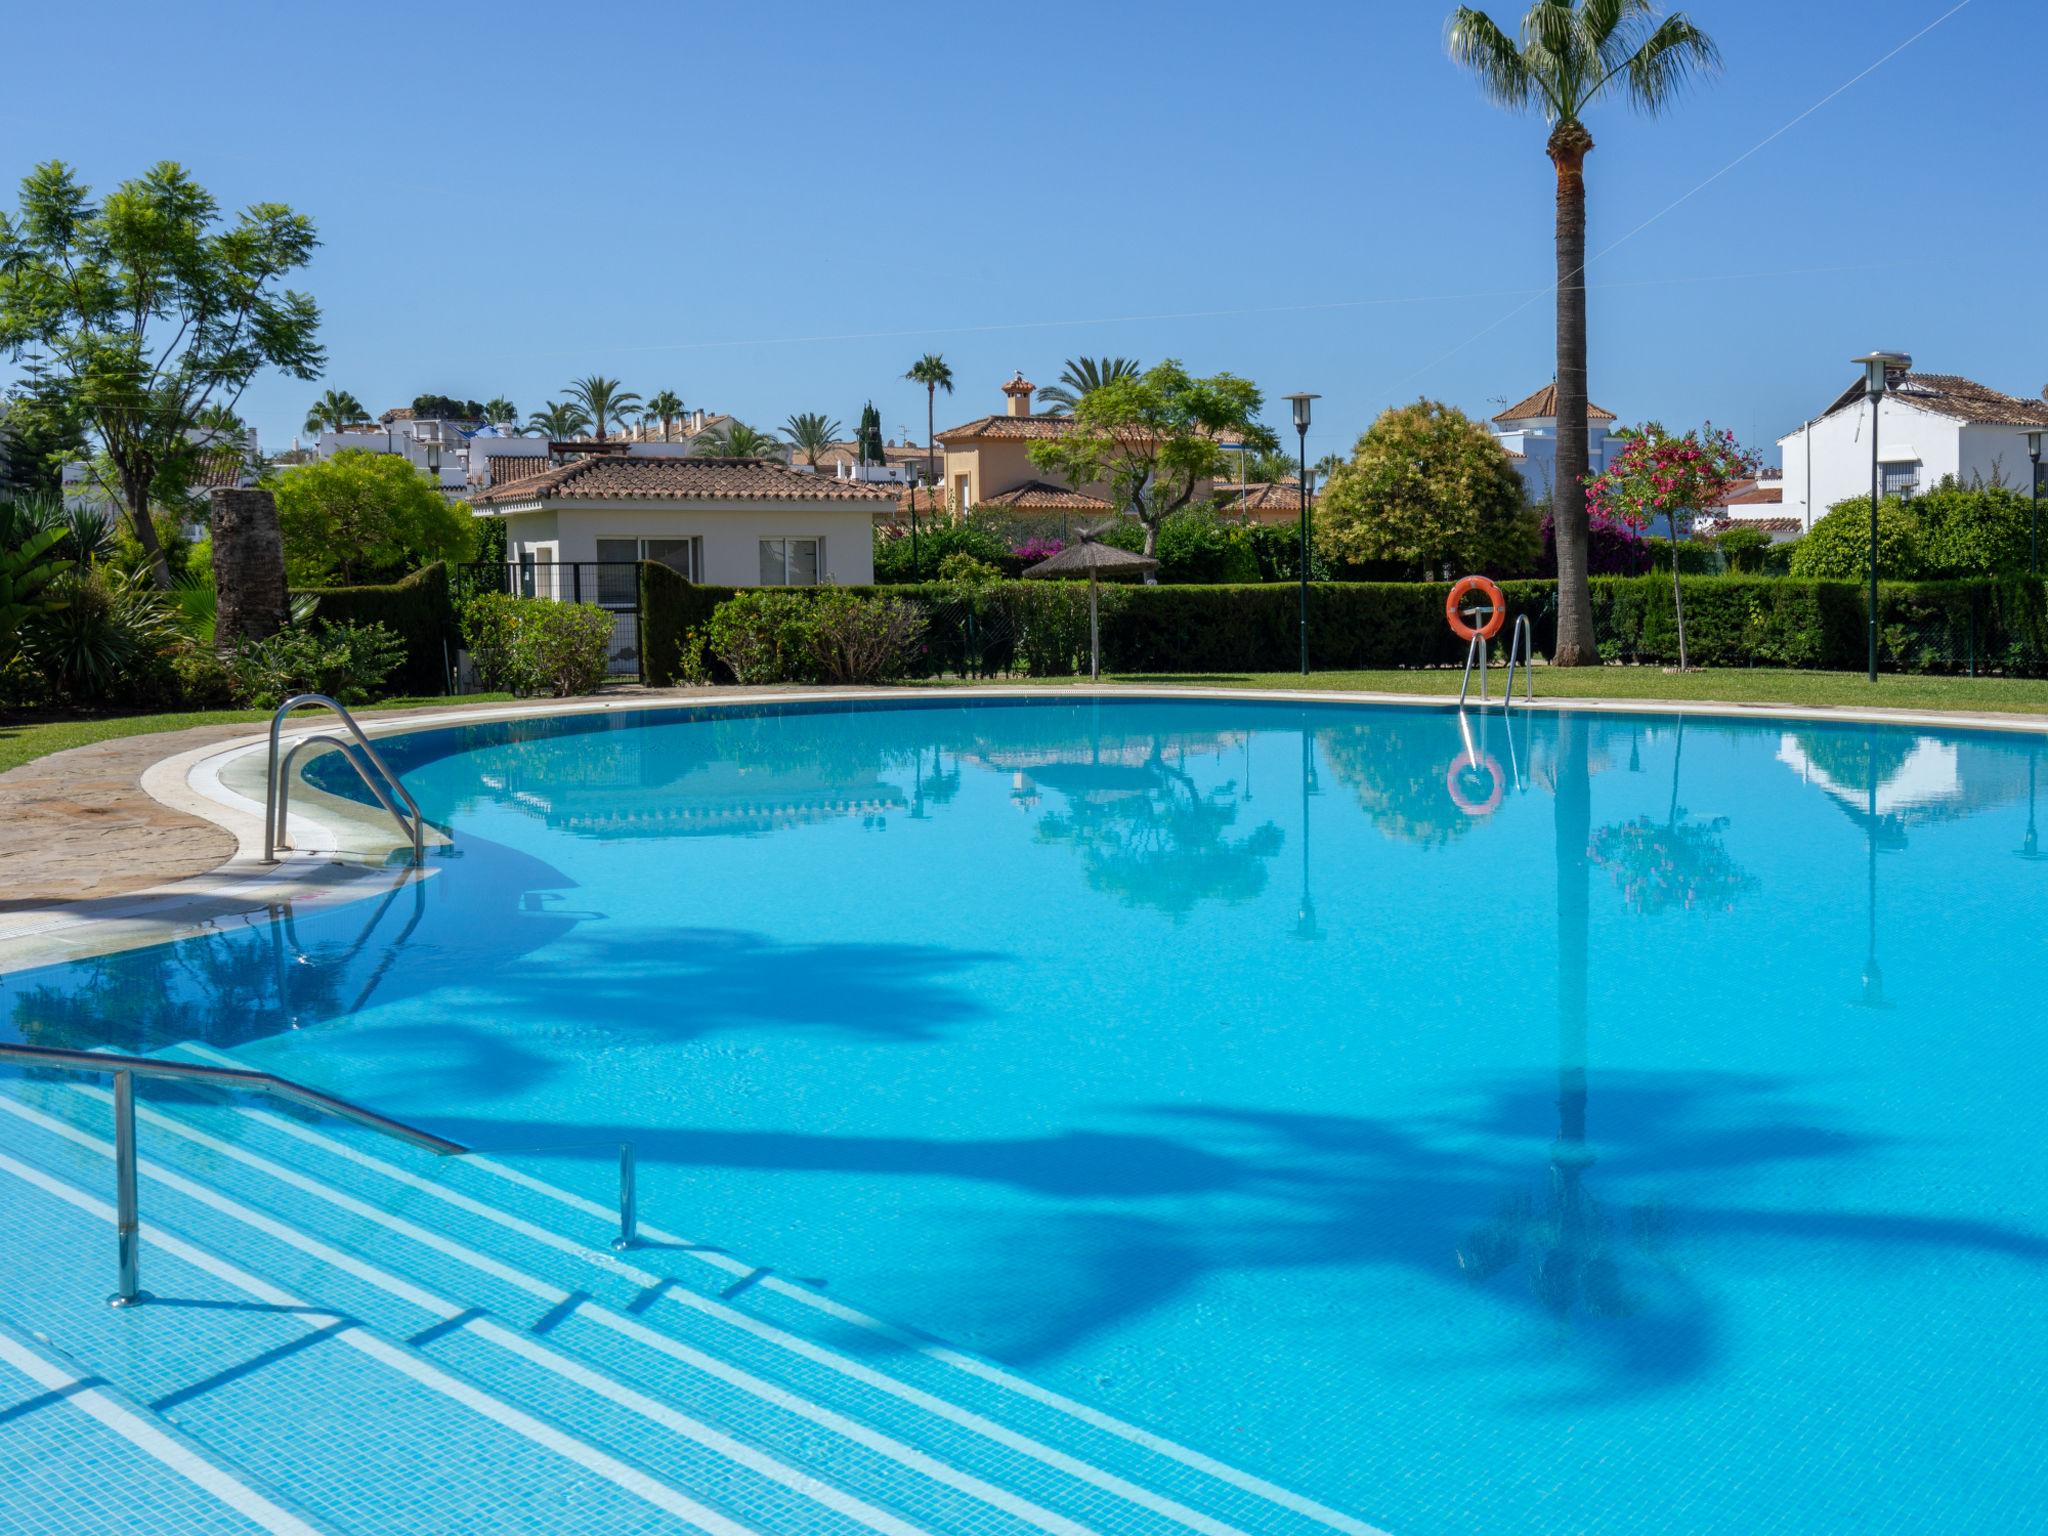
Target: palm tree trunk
x,y
931,452
1568,146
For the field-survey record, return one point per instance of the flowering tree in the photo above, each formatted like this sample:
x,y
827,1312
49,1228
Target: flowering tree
x,y
1679,477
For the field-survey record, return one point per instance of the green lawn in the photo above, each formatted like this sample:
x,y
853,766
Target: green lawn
x,y
1717,685
24,742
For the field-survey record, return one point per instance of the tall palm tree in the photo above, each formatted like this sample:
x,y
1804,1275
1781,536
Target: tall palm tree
x,y
1571,54
1082,376
664,406
603,402
560,420
933,373
498,411
810,434
737,440
335,409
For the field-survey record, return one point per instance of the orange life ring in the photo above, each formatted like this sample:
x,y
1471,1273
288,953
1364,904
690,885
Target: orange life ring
x,y
1494,620
1461,765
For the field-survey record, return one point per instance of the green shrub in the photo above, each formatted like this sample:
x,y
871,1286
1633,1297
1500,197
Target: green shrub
x,y
106,637
417,609
348,662
763,635
534,646
671,609
1968,531
894,562
1197,546
1743,549
1837,548
863,639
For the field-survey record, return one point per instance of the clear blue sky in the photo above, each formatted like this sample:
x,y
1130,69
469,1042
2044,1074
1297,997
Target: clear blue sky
x,y
775,208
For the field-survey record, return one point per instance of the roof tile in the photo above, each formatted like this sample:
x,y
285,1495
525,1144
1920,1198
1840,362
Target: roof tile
x,y
616,478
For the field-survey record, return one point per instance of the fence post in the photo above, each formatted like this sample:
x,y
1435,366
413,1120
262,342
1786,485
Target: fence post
x,y
127,1221
576,581
1973,632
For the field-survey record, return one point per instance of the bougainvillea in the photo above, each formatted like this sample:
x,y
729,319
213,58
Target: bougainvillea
x,y
1032,550
1678,477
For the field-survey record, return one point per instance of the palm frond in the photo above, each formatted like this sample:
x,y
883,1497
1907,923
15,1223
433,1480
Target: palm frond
x,y
1672,57
1476,42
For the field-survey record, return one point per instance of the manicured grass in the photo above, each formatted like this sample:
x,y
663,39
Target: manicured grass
x,y
1818,690
24,742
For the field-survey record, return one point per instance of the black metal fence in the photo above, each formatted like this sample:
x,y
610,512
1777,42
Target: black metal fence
x,y
613,585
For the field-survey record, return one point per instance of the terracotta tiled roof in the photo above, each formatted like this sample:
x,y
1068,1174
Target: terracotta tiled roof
x,y
219,468
928,500
1715,526
507,467
1751,494
1544,403
397,413
1029,428
1948,394
1279,496
1044,496
611,477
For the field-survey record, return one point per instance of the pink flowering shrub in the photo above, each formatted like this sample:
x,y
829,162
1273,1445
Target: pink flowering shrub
x,y
1034,549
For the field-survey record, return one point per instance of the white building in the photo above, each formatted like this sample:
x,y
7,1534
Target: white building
x,y
438,449
726,522
1528,430
1929,425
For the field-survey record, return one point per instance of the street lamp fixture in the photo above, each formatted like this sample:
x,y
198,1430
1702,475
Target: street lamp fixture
x,y
1300,403
2034,435
1877,366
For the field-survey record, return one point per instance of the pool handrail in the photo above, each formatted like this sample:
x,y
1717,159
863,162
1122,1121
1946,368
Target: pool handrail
x,y
1520,643
273,818
125,1069
410,828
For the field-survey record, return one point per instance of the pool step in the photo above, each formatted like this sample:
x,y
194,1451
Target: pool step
x,y
832,1419
144,1473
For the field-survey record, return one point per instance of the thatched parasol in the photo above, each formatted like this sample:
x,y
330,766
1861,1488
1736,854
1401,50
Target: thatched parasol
x,y
1098,560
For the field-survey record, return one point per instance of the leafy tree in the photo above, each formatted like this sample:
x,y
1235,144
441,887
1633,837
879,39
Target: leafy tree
x,y
737,440
935,374
559,421
1837,548
1969,531
810,434
39,434
664,406
446,408
144,308
1678,476
1154,437
604,402
1081,375
498,411
1571,54
1430,491
869,438
334,410
361,515
1271,466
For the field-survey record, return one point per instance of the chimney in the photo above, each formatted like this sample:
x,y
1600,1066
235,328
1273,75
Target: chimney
x,y
1019,390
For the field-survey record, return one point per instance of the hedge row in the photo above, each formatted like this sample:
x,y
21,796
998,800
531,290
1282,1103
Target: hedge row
x,y
417,609
1731,621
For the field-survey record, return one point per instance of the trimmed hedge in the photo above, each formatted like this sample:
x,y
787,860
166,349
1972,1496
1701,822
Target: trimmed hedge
x,y
417,609
1731,621
670,607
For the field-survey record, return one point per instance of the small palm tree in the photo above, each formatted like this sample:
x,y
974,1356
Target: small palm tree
x,y
499,411
1082,376
335,409
810,434
737,440
1569,55
664,406
933,373
560,420
604,402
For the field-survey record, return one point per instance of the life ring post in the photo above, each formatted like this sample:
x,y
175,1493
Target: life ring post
x,y
1475,636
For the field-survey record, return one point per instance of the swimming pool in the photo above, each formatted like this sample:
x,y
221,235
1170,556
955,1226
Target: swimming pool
x,y
1578,1123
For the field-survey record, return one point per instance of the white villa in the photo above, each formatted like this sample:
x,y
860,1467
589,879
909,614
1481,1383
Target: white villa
x,y
1929,425
1528,430
728,522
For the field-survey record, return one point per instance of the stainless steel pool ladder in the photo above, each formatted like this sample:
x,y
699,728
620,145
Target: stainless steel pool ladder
x,y
125,1069
362,757
1520,643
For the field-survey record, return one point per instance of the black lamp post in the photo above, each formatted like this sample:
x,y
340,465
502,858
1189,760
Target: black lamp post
x,y
1300,404
1875,367
2034,436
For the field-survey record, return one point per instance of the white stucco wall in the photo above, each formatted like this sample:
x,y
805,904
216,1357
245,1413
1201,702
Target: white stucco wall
x,y
1840,449
731,533
1535,439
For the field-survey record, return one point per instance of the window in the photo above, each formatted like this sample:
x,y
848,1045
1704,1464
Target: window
x,y
963,498
790,562
1901,479
618,583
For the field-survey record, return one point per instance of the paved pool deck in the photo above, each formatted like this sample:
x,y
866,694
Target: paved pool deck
x,y
141,838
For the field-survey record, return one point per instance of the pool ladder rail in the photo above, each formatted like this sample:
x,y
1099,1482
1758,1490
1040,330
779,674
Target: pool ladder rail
x,y
125,1069
1520,644
360,755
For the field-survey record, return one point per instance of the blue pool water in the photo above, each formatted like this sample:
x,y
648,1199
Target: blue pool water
x,y
1604,1124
